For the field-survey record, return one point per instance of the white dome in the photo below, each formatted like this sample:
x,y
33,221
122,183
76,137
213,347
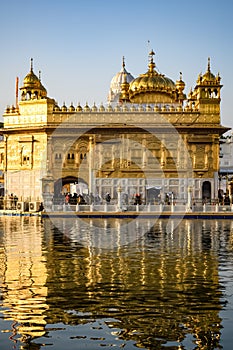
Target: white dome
x,y
117,80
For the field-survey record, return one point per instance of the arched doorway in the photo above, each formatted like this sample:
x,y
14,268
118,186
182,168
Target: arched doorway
x,y
206,191
66,184
153,195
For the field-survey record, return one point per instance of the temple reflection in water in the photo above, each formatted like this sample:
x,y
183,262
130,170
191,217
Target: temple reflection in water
x,y
23,276
160,288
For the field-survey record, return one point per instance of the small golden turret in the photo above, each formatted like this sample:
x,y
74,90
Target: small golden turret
x,y
180,85
32,87
206,94
124,95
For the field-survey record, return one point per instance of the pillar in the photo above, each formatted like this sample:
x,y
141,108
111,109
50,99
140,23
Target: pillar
x,y
119,198
48,191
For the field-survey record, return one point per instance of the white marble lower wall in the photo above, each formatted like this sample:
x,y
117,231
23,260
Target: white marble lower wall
x,y
25,184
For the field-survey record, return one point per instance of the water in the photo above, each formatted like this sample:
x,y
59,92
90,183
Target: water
x,y
73,284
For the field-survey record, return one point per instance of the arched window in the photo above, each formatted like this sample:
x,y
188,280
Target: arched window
x,y
203,93
29,95
206,191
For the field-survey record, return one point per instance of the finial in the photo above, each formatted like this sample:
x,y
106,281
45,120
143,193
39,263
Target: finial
x,y
123,62
151,54
208,68
40,75
151,62
180,75
31,64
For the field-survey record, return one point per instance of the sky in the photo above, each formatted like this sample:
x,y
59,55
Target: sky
x,y
78,45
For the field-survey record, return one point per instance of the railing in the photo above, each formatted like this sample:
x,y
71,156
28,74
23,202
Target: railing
x,y
149,208
113,207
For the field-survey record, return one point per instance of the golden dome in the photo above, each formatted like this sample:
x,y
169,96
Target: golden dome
x,y
79,108
155,82
31,80
152,86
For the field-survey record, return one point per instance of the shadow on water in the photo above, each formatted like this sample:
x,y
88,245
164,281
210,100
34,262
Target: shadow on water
x,y
159,291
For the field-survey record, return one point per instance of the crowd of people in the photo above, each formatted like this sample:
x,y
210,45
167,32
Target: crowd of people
x,y
88,199
83,199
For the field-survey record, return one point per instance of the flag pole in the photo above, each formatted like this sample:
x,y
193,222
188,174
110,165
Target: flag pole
x,y
17,93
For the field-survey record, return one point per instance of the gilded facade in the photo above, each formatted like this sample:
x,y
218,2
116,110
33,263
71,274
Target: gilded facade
x,y
150,138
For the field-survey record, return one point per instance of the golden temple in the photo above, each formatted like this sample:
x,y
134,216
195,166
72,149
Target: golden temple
x,y
150,138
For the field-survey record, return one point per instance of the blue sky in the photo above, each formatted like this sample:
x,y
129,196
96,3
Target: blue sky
x,y
78,45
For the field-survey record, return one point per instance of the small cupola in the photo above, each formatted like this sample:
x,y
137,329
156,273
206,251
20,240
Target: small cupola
x,y
32,88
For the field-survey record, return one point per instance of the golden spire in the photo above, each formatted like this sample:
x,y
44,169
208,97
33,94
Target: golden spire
x,y
208,76
151,54
123,62
208,66
151,65
124,95
31,65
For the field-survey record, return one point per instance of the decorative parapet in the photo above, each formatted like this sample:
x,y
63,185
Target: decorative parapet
x,y
122,118
52,115
124,107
